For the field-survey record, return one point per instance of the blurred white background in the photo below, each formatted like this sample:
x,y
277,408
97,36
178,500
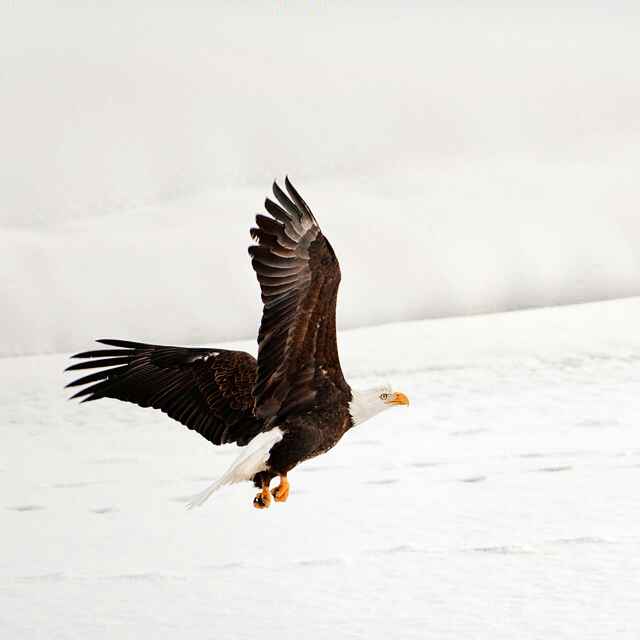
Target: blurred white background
x,y
460,160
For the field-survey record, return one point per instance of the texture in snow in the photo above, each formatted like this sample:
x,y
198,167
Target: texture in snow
x,y
461,160
502,504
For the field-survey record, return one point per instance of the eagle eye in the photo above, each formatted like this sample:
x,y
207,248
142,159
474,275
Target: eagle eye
x,y
384,396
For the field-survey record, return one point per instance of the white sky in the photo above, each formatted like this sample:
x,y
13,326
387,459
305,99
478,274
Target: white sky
x,y
460,160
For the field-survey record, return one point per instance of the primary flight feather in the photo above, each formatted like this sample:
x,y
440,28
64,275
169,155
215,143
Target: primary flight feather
x,y
289,405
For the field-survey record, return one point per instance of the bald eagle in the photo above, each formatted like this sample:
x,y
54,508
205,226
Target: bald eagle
x,y
289,405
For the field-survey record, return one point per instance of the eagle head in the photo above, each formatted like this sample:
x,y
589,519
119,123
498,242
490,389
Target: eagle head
x,y
368,403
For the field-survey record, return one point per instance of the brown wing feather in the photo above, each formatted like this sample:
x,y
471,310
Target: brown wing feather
x,y
299,277
208,390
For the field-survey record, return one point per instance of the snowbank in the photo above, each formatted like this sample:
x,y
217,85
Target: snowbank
x,y
460,160
179,272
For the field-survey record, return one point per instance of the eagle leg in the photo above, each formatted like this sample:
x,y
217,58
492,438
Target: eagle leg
x,y
281,492
263,499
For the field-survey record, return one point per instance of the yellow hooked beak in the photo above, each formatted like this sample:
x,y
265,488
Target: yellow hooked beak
x,y
398,398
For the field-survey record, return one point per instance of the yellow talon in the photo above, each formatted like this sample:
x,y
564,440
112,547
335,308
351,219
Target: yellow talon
x,y
281,492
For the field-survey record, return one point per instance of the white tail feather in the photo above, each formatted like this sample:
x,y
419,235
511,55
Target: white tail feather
x,y
251,460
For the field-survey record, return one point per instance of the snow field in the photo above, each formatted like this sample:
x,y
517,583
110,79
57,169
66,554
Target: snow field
x,y
501,504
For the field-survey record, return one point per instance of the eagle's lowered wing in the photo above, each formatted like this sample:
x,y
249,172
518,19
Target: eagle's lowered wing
x,y
208,390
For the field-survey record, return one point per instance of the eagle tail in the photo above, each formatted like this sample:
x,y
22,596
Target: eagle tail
x,y
252,460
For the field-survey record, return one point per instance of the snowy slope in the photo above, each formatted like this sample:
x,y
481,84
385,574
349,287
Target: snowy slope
x,y
503,503
489,154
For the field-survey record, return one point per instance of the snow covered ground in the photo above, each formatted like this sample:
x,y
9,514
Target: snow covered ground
x,y
502,504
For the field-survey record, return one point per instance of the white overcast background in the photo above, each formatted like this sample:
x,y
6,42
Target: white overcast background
x,y
461,160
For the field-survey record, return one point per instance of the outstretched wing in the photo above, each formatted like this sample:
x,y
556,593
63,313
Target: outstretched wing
x,y
208,390
299,276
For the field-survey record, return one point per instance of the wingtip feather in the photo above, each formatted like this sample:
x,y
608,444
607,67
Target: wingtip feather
x,y
125,344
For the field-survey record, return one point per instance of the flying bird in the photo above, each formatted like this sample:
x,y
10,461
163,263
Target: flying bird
x,y
289,405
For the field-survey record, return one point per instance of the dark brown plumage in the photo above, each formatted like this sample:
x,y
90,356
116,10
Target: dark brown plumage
x,y
208,390
226,396
299,276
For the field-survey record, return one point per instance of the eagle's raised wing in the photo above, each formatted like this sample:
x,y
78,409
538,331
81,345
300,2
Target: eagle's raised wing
x,y
299,276
208,390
